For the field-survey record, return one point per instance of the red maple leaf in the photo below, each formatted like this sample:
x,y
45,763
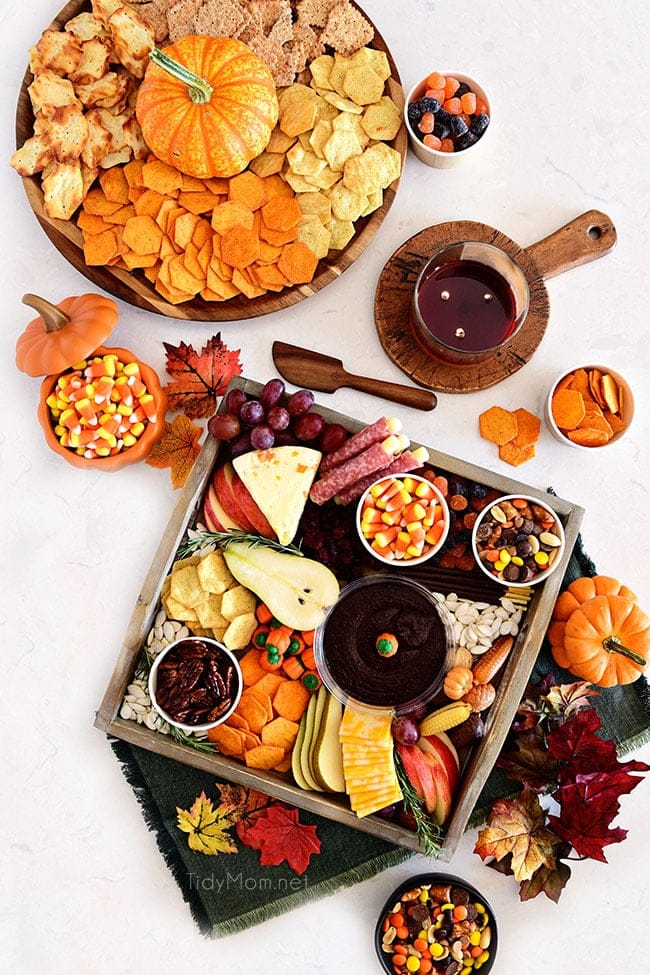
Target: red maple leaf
x,y
199,378
588,806
279,835
577,743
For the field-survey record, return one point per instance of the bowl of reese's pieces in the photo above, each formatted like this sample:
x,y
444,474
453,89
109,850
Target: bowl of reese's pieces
x,y
436,923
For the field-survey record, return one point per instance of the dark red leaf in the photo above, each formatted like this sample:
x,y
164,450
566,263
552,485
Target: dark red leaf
x,y
588,806
199,378
530,763
546,880
577,743
279,835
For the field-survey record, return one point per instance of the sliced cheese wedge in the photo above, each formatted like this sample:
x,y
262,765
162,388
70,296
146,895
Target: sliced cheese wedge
x,y
279,480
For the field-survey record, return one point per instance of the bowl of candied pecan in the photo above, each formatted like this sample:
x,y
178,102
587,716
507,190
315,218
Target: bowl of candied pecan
x,y
195,684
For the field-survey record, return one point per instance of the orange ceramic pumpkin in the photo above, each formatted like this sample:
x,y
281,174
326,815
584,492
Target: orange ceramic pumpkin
x,y
599,633
153,431
63,333
207,105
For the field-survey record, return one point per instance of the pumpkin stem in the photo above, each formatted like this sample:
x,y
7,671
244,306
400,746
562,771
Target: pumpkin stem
x,y
52,316
199,90
613,645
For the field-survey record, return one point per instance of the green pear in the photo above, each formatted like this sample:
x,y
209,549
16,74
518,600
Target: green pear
x,y
296,590
327,754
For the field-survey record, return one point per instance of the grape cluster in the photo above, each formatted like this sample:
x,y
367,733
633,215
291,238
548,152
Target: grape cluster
x,y
272,419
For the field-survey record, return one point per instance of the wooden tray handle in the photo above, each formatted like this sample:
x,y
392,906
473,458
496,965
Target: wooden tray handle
x,y
584,239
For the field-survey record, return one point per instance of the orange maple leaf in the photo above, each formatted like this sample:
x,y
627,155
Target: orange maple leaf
x,y
199,378
178,448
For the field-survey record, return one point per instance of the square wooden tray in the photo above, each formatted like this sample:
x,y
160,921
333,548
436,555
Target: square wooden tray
x,y
499,717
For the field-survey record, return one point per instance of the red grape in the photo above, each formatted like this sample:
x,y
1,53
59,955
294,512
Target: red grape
x,y
235,399
272,393
252,412
300,401
332,437
278,418
241,444
405,731
262,437
224,426
308,426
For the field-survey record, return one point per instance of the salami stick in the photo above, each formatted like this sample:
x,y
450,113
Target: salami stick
x,y
360,441
406,461
376,457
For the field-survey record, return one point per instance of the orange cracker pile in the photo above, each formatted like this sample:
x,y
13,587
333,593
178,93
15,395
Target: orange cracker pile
x,y
283,34
216,238
515,432
587,407
264,726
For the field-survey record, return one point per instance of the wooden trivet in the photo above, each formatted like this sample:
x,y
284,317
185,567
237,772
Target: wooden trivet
x,y
584,239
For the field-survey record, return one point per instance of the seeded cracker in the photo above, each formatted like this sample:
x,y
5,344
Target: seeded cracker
x,y
221,18
346,29
315,12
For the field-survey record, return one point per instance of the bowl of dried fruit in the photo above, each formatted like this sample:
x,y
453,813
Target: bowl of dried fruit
x,y
589,406
436,923
518,540
446,115
402,519
195,684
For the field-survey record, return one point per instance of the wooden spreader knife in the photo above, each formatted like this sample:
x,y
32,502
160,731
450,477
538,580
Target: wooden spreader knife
x,y
326,374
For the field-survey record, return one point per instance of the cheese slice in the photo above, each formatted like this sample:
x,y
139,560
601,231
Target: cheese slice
x,y
279,480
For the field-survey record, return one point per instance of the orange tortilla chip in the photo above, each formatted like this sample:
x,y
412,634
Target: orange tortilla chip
x,y
516,454
280,732
253,711
228,740
264,757
291,700
263,697
157,175
528,428
249,189
497,425
568,408
298,263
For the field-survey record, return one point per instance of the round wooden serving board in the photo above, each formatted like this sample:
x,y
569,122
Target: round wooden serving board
x,y
583,239
136,290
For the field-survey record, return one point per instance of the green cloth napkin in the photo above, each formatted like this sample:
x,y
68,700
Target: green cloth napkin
x,y
233,891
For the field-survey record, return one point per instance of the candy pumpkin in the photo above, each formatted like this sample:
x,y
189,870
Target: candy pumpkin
x,y
599,633
207,105
64,333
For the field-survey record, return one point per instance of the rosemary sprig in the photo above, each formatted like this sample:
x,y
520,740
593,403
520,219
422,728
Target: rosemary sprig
x,y
428,832
198,744
224,539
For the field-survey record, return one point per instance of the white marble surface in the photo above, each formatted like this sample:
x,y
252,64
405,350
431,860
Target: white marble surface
x,y
84,888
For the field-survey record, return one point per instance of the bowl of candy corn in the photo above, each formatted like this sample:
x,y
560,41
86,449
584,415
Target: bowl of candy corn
x,y
446,114
105,412
402,520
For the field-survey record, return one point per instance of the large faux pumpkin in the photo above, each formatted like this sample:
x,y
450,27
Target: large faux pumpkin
x,y
599,633
207,105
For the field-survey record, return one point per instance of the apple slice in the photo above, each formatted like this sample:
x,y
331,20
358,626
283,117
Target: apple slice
x,y
296,590
215,516
420,774
223,486
445,774
250,508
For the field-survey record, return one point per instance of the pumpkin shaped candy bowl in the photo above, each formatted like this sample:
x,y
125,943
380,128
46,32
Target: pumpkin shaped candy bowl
x,y
124,440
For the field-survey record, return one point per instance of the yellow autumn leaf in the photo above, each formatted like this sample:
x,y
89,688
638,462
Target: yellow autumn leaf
x,y
207,828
